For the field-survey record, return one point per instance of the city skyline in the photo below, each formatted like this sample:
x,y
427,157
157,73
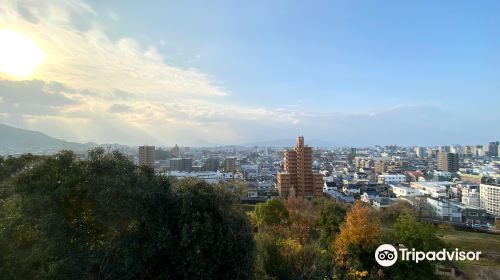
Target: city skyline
x,y
351,74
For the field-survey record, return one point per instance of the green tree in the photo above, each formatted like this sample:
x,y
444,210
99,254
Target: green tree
x,y
395,210
271,213
215,239
331,216
421,236
105,217
271,263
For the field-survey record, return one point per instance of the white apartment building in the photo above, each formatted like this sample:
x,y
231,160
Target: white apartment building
x,y
489,197
445,210
470,197
433,189
400,191
391,178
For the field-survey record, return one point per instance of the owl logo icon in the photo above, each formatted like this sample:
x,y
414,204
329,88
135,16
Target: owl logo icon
x,y
386,255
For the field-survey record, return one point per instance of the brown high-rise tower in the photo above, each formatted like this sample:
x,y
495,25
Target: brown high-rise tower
x,y
298,179
447,162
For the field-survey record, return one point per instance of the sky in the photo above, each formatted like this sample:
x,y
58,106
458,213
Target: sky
x,y
349,73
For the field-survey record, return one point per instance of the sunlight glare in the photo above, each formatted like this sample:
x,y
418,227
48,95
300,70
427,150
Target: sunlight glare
x,y
19,55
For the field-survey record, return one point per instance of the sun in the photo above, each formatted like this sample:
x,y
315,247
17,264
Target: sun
x,y
19,55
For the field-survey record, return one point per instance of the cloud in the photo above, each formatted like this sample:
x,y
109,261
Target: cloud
x,y
94,88
119,108
33,92
89,59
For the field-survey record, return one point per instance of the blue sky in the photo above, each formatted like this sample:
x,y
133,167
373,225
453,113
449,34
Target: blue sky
x,y
407,72
329,55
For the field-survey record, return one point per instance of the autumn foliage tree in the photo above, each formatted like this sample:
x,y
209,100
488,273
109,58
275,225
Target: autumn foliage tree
x,y
355,245
289,238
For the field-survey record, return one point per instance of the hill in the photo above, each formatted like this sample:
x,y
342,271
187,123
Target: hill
x,y
22,140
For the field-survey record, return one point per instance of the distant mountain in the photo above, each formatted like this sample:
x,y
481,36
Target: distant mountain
x,y
14,139
291,142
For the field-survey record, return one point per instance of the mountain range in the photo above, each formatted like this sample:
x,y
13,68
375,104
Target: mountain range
x,y
18,140
14,140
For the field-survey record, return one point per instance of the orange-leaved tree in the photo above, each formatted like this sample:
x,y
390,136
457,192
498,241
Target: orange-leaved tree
x,y
358,234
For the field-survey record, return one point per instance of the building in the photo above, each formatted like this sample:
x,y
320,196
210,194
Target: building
x,y
433,189
211,164
181,164
208,176
329,186
351,190
471,215
448,162
230,164
391,178
470,196
352,154
489,198
445,210
402,191
298,179
381,203
339,196
175,151
414,176
493,149
380,167
420,151
369,195
147,155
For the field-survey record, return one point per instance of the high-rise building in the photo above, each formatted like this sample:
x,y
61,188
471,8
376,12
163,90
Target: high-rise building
x,y
420,151
181,164
489,198
298,179
444,149
211,164
351,155
493,149
175,151
147,155
380,167
230,164
448,162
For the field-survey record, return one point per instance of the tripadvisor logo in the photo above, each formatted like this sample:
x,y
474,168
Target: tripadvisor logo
x,y
387,255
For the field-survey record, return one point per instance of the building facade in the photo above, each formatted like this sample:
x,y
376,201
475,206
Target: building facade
x,y
298,179
230,164
489,198
147,155
391,178
448,162
175,151
211,164
181,164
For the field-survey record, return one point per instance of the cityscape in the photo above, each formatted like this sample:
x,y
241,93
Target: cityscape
x,y
457,184
266,140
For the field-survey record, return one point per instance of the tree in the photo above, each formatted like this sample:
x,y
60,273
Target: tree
x,y
271,213
396,209
356,242
214,237
271,262
105,217
421,236
289,248
331,216
415,234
